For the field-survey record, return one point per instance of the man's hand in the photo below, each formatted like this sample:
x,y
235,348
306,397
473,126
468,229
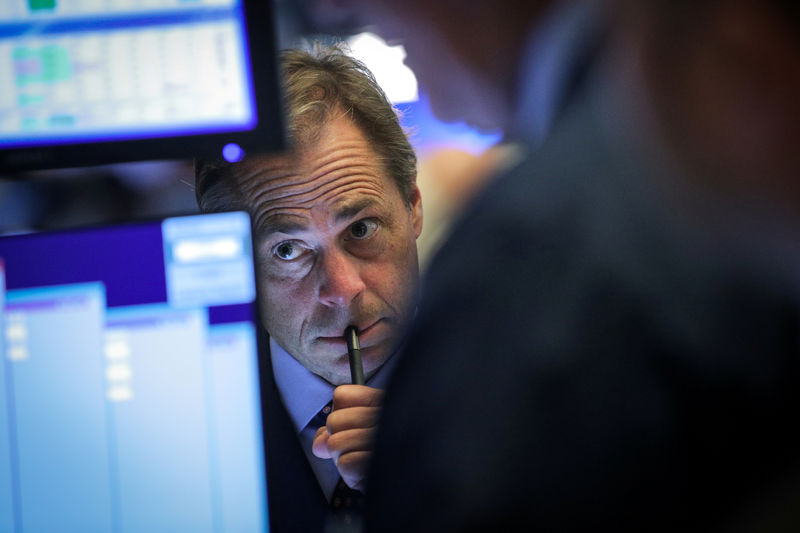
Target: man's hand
x,y
349,432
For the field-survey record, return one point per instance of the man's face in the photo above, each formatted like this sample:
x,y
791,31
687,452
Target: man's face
x,y
336,245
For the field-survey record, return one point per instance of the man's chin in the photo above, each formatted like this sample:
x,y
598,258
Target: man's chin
x,y
372,358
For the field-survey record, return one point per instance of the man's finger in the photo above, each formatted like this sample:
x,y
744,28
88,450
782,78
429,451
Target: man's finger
x,y
352,467
345,396
320,445
352,418
349,441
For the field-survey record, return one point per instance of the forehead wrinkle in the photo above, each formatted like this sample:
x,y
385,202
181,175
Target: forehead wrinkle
x,y
262,184
352,152
260,180
266,183
312,173
307,192
347,183
343,210
268,180
306,201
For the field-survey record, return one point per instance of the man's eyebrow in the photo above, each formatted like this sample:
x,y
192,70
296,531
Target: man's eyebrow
x,y
289,225
281,224
350,210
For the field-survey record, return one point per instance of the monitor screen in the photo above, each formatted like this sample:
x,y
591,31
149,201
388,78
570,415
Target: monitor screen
x,y
84,82
129,379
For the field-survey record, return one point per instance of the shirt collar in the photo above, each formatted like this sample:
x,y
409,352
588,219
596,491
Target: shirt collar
x,y
304,393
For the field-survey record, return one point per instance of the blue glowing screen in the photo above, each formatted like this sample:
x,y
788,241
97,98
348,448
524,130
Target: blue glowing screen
x,y
129,391
79,70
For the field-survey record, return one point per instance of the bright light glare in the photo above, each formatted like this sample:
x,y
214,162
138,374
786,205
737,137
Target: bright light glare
x,y
117,350
386,63
18,353
16,333
118,372
119,393
191,251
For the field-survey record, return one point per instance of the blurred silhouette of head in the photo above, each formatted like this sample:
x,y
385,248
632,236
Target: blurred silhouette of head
x,y
465,52
723,82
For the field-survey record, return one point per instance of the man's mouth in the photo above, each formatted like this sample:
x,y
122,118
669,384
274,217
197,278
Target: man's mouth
x,y
364,331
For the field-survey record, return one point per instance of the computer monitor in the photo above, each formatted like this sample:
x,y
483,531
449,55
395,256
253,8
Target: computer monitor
x,y
129,379
84,82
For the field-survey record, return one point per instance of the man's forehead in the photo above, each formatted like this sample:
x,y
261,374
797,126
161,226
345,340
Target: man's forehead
x,y
339,145
286,182
293,220
266,166
337,174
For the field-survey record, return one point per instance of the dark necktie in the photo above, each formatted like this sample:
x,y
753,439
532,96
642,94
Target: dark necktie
x,y
347,505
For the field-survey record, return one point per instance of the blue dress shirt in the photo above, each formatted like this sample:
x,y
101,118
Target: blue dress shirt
x,y
304,394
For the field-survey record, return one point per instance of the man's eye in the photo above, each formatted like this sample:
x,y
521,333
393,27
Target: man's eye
x,y
287,250
363,228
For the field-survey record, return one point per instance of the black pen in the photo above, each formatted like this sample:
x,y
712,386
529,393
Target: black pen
x,y
354,355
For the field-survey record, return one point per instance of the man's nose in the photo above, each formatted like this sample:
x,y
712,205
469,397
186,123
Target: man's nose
x,y
340,279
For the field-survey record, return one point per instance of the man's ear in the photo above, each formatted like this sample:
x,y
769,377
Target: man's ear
x,y
416,211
